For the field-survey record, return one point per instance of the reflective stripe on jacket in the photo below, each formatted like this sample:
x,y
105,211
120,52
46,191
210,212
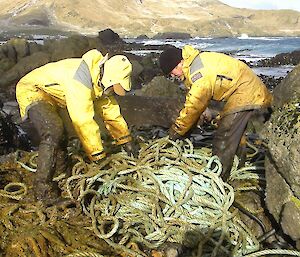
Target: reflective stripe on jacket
x,y
217,76
74,83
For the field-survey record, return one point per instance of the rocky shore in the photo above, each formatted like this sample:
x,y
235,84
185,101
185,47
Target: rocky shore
x,y
153,93
21,54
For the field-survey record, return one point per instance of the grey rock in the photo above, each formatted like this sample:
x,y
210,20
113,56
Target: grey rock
x,y
288,89
291,220
277,191
283,162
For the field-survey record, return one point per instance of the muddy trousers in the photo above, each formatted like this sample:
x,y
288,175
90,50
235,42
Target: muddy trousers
x,y
50,128
230,139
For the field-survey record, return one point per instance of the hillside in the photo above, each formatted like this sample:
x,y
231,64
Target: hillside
x,y
149,17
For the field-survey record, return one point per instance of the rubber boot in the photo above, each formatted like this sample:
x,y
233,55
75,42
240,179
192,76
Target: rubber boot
x,y
44,187
50,129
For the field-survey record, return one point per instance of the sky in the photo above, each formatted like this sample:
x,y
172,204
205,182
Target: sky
x,y
265,4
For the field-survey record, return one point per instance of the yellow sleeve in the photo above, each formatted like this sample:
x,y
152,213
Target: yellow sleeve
x,y
110,112
80,106
197,99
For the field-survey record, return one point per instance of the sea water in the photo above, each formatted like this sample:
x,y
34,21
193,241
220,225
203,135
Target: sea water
x,y
249,49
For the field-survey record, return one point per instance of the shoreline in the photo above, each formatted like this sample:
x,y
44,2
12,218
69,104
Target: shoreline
x,y
259,53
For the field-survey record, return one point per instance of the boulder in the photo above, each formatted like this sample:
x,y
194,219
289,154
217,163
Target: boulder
x,y
292,58
161,87
19,56
15,49
108,36
282,165
73,46
137,69
288,89
141,111
96,43
25,65
141,37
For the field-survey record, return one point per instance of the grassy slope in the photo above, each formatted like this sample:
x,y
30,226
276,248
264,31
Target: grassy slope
x,y
131,17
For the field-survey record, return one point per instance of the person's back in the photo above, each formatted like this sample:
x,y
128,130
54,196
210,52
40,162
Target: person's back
x,y
50,79
53,72
228,79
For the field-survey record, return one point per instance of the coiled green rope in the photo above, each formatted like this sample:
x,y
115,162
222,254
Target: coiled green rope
x,y
169,192
14,190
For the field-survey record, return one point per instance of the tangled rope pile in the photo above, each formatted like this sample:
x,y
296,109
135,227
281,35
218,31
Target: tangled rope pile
x,y
171,193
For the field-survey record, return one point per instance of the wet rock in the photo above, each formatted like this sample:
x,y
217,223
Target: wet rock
x,y
12,136
96,43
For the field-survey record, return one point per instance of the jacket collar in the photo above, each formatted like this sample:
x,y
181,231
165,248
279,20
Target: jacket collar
x,y
188,53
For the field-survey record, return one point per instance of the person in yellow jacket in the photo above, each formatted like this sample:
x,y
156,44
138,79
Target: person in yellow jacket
x,y
211,75
84,86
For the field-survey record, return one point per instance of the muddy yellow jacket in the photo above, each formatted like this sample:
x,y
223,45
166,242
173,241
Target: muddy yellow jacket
x,y
75,83
210,75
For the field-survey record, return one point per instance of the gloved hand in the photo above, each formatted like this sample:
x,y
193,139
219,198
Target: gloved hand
x,y
132,147
173,135
98,157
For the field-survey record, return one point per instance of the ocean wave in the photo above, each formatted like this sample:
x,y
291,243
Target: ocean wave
x,y
246,37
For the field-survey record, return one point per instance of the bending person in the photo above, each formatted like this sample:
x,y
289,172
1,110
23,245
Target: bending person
x,y
83,86
210,75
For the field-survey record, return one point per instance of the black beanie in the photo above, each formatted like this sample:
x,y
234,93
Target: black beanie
x,y
169,59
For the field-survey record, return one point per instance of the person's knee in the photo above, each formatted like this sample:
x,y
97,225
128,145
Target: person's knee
x,y
47,122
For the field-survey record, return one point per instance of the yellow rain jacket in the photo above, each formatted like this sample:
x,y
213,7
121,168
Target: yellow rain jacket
x,y
210,75
75,83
